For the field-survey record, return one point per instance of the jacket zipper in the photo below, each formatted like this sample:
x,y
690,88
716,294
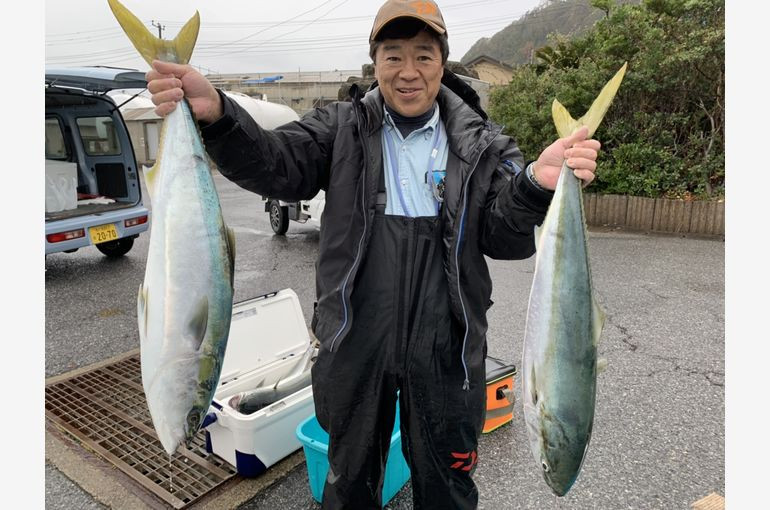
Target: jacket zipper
x,y
466,383
363,234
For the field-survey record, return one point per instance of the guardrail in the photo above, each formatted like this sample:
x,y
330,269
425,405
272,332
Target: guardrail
x,y
702,217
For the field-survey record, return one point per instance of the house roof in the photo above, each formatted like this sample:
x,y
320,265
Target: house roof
x,y
491,60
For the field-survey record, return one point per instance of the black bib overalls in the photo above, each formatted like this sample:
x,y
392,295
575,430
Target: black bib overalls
x,y
404,339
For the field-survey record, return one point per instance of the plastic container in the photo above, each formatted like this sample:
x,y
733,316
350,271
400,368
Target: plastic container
x,y
268,342
61,182
500,397
315,442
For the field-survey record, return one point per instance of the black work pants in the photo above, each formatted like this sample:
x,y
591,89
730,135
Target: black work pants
x,y
403,339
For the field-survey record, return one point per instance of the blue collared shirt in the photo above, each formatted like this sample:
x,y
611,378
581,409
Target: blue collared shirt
x,y
407,163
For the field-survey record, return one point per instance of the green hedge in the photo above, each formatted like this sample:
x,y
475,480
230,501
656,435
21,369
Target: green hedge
x,y
664,133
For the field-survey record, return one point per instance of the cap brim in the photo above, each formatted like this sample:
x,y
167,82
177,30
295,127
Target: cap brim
x,y
437,28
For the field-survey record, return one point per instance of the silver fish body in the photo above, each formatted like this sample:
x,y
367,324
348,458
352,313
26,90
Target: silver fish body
x,y
185,303
562,330
249,402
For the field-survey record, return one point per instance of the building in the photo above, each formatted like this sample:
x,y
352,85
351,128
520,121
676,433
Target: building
x,y
302,91
491,70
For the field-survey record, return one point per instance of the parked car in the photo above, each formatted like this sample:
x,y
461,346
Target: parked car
x,y
93,196
308,211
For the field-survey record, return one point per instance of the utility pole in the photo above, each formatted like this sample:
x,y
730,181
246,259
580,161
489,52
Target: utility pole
x,y
160,28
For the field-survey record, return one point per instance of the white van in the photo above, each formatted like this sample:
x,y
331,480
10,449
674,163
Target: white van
x,y
92,191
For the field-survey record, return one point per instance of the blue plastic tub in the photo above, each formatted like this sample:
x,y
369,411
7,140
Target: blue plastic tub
x,y
315,443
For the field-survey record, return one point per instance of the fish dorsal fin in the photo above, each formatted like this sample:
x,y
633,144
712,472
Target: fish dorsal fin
x,y
196,326
150,47
231,253
141,313
566,125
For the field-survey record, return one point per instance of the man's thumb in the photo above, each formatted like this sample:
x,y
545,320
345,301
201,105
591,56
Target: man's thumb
x,y
162,67
578,136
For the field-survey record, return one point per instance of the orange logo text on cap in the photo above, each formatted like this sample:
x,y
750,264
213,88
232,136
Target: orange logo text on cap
x,y
424,8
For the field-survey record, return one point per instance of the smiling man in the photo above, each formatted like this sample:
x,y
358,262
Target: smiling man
x,y
420,186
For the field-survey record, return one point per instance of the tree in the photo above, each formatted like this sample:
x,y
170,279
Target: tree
x,y
664,134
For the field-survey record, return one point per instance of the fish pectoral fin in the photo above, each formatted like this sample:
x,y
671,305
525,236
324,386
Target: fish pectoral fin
x,y
196,327
141,313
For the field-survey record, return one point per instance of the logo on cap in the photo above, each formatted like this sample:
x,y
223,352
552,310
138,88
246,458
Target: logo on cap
x,y
424,8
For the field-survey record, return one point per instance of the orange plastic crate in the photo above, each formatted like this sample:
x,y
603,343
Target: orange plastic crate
x,y
500,398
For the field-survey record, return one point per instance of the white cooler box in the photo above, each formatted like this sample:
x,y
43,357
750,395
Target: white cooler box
x,y
268,342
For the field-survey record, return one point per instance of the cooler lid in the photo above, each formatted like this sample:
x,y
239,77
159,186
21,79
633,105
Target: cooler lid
x,y
498,369
264,330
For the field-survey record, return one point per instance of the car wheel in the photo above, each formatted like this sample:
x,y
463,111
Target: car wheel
x,y
116,248
279,218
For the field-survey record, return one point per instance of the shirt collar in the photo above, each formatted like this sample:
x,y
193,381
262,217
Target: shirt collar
x,y
387,119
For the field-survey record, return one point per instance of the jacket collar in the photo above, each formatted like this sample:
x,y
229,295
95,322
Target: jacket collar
x,y
467,125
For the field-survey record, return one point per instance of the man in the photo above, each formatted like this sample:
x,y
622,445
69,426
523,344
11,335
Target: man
x,y
419,187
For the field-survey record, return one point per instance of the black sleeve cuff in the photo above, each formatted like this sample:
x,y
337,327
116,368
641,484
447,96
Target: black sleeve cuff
x,y
536,197
213,130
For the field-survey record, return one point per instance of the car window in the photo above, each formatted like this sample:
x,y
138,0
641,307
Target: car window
x,y
55,148
99,136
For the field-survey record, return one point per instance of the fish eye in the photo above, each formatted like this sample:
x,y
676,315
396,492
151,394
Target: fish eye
x,y
545,467
192,420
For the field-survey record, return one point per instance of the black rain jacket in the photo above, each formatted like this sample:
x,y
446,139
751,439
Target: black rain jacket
x,y
490,206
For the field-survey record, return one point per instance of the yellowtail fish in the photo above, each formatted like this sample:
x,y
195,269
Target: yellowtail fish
x,y
185,302
564,322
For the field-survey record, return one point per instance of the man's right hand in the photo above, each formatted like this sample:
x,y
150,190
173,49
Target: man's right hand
x,y
169,83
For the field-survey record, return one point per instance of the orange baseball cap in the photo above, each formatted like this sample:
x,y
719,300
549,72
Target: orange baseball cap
x,y
423,10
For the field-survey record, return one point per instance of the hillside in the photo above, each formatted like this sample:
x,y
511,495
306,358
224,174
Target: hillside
x,y
516,43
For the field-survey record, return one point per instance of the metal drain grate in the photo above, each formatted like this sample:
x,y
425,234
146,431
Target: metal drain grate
x,y
106,410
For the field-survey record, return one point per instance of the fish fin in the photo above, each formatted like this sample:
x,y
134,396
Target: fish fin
x,y
199,322
533,386
601,365
598,318
566,125
601,104
141,313
184,42
538,235
150,177
150,47
231,253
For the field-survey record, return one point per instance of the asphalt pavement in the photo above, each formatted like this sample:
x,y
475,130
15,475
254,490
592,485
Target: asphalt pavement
x,y
658,439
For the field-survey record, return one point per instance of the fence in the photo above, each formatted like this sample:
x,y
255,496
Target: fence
x,y
704,217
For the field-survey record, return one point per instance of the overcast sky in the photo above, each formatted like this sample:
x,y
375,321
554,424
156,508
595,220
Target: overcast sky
x,y
255,35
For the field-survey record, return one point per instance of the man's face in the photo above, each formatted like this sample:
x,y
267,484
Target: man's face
x,y
409,73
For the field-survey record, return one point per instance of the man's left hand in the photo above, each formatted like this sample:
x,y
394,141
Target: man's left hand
x,y
580,155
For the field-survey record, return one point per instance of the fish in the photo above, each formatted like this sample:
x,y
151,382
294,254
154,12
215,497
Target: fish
x,y
249,402
564,322
184,304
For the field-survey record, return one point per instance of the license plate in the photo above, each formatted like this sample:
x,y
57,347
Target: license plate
x,y
103,233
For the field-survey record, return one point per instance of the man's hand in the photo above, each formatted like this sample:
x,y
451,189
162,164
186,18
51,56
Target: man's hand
x,y
169,83
580,155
